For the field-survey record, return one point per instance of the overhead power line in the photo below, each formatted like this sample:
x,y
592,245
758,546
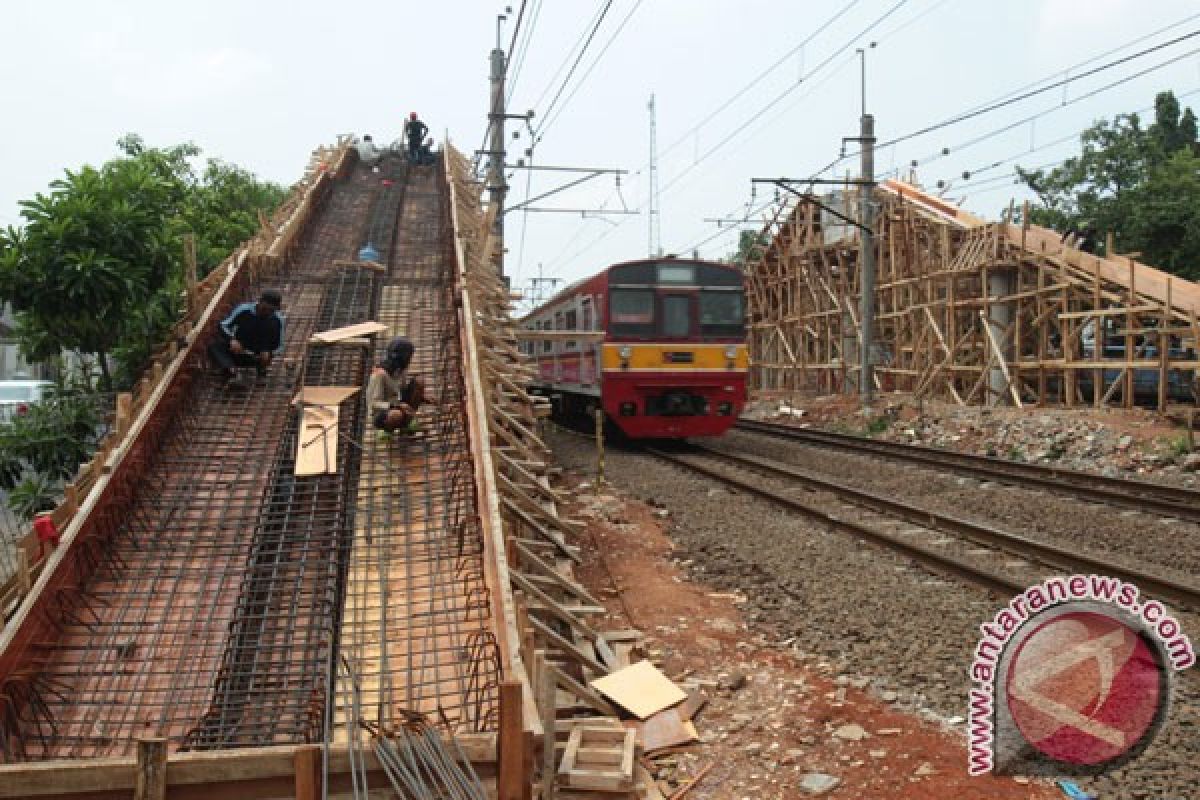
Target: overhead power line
x,y
734,133
562,86
1041,90
599,56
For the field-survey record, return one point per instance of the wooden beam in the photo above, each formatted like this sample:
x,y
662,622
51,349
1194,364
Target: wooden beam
x,y
151,770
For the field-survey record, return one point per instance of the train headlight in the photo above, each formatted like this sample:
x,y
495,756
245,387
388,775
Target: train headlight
x,y
731,352
625,352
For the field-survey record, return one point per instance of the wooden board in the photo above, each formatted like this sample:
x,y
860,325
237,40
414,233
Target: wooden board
x,y
667,728
316,446
641,689
324,395
598,758
348,332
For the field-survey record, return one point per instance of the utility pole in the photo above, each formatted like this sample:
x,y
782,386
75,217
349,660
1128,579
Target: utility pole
x,y
497,186
654,234
866,313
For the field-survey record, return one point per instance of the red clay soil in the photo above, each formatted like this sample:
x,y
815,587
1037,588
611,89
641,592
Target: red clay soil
x,y
772,712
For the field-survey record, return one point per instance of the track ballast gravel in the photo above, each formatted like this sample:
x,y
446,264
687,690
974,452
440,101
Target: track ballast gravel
x,y
869,611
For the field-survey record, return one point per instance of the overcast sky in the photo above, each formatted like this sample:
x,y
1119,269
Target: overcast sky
x,y
262,83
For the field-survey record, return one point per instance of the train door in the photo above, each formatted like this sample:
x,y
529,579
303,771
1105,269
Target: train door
x,y
677,314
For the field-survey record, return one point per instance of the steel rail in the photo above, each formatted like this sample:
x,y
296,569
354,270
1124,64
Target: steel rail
x,y
1166,500
989,536
937,562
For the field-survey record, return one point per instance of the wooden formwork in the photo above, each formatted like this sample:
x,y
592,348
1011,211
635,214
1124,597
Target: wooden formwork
x,y
966,310
545,609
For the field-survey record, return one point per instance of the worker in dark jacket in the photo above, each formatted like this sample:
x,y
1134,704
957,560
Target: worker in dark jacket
x,y
393,400
415,131
251,336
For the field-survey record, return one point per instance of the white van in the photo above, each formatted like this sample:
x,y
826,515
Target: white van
x,y
17,396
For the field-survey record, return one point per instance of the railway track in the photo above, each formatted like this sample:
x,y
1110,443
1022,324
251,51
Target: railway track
x,y
874,518
1170,501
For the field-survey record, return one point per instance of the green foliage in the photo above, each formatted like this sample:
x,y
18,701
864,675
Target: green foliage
x,y
52,437
751,245
34,494
98,265
1178,446
1140,184
44,446
876,426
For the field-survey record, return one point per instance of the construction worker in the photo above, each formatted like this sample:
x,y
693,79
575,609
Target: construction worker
x,y
426,156
391,399
368,153
415,131
251,336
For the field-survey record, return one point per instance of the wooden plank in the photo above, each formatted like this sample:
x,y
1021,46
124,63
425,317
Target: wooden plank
x,y
512,778
316,444
348,332
607,774
642,689
308,772
567,647
151,770
324,395
667,728
585,693
571,620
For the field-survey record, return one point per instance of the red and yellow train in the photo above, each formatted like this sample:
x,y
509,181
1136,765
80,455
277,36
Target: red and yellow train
x,y
659,344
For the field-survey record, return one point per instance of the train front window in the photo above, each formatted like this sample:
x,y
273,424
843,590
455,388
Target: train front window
x,y
721,314
677,316
631,312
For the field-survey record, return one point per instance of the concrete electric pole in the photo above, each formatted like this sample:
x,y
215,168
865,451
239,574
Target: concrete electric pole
x,y
866,189
497,181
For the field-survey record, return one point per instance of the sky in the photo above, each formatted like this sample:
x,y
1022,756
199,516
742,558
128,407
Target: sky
x,y
743,89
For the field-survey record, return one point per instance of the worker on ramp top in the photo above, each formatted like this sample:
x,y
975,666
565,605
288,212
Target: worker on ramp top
x,y
415,131
393,400
426,156
368,152
251,336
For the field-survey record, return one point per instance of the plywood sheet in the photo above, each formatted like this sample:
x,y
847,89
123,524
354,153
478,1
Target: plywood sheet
x,y
640,689
349,332
324,395
316,446
667,728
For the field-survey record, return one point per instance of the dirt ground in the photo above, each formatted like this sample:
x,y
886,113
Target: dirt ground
x,y
776,715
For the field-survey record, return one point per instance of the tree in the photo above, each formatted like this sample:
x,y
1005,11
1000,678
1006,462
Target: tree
x,y
90,256
43,446
1140,184
751,245
98,265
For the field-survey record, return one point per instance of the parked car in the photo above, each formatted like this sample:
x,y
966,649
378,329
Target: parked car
x,y
17,396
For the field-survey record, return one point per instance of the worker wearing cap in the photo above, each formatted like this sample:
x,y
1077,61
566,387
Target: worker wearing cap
x,y
368,152
391,399
415,131
251,336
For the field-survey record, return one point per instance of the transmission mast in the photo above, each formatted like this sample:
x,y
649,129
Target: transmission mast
x,y
654,235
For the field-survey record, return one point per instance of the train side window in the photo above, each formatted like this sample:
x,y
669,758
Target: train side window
x,y
587,315
631,312
677,316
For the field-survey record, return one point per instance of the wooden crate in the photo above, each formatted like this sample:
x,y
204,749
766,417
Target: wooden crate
x,y
598,758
